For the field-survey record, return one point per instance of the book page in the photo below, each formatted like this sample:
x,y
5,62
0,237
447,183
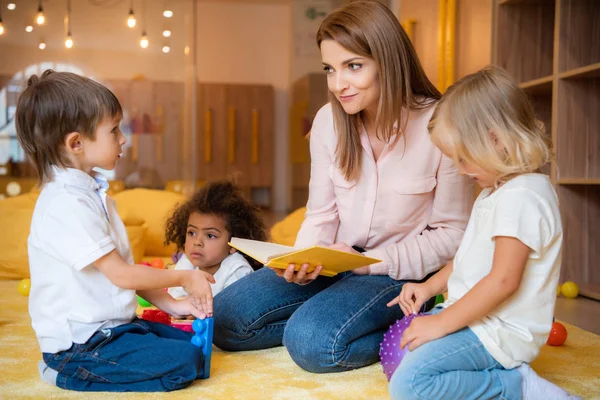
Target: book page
x,y
260,251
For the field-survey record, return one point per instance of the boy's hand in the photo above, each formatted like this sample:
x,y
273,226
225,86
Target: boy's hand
x,y
422,330
197,287
412,297
184,308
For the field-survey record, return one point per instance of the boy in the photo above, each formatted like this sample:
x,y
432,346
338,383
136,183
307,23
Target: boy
x,y
83,281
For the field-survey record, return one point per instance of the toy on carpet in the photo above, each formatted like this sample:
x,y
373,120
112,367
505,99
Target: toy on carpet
x,y
157,263
143,302
439,299
390,352
24,287
146,263
203,338
558,334
156,316
569,289
184,325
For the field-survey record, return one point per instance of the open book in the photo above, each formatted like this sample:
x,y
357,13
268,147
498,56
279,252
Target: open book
x,y
279,256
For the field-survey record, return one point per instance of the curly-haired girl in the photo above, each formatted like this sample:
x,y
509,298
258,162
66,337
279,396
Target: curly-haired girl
x,y
202,228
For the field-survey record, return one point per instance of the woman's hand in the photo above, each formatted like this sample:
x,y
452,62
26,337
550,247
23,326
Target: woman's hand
x,y
366,270
422,330
301,277
412,297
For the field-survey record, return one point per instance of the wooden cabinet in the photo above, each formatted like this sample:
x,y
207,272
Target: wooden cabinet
x,y
309,94
235,134
552,47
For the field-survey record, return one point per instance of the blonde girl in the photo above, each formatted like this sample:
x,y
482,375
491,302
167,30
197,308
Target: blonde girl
x,y
502,282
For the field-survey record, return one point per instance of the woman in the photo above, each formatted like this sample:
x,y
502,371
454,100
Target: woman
x,y
377,184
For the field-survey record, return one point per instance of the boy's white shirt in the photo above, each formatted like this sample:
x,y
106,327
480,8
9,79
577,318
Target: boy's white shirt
x,y
233,268
525,208
74,224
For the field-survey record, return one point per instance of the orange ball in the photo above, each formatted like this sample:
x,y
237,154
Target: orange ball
x,y
558,334
157,263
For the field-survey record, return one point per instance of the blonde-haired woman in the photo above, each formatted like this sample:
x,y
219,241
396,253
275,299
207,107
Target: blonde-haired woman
x,y
502,283
377,184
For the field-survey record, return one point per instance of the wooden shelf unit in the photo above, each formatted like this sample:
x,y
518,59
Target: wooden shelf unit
x,y
552,48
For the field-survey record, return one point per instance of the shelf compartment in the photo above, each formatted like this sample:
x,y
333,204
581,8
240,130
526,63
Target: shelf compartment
x,y
578,128
579,34
525,36
588,72
540,86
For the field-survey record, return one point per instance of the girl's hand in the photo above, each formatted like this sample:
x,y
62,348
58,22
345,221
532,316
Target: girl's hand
x,y
197,286
302,277
184,308
412,297
422,330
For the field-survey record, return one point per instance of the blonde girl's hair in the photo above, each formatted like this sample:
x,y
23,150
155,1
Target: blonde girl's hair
x,y
485,119
370,29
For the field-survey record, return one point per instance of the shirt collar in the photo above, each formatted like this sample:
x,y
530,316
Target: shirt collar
x,y
80,179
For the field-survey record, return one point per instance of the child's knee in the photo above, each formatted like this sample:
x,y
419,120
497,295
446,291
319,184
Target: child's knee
x,y
402,385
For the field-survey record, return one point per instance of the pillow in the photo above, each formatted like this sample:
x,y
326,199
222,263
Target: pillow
x,y
153,207
15,214
285,231
137,240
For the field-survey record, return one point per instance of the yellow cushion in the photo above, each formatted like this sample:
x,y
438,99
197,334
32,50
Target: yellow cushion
x,y
15,214
284,232
137,240
153,207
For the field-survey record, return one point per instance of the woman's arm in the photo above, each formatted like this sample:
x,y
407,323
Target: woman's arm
x,y
321,221
415,257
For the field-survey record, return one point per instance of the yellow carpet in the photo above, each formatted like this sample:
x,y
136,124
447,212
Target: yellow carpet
x,y
266,374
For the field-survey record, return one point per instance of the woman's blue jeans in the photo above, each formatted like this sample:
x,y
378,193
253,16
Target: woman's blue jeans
x,y
330,325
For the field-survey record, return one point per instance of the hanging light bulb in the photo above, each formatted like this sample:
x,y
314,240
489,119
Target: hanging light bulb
x,y
166,49
144,41
69,38
11,6
131,19
40,19
29,29
167,13
2,29
42,45
166,33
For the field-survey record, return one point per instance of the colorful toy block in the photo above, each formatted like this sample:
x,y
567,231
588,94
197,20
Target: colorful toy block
x,y
203,338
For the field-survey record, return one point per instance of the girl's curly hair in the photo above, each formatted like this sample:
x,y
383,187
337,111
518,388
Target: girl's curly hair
x,y
224,199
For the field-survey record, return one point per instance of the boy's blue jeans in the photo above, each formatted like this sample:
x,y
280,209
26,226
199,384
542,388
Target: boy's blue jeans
x,y
141,356
456,366
330,325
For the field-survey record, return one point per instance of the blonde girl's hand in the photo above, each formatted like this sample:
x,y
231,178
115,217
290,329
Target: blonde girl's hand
x,y
422,330
411,298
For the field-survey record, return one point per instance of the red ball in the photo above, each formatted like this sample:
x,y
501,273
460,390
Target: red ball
x,y
558,334
157,263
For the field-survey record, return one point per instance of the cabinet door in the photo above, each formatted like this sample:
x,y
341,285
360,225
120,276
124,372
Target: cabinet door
x,y
238,132
213,161
261,149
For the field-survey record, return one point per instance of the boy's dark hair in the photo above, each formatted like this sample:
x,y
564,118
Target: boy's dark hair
x,y
224,199
54,105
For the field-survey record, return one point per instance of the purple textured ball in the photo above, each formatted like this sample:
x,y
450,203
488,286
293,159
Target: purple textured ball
x,y
389,351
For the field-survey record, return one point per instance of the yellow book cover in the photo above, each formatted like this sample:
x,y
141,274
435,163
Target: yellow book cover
x,y
279,256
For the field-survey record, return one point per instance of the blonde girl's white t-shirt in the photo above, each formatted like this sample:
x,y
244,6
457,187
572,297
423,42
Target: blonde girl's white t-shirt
x,y
525,208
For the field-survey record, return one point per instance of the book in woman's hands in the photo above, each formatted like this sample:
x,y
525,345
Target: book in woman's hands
x,y
279,256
